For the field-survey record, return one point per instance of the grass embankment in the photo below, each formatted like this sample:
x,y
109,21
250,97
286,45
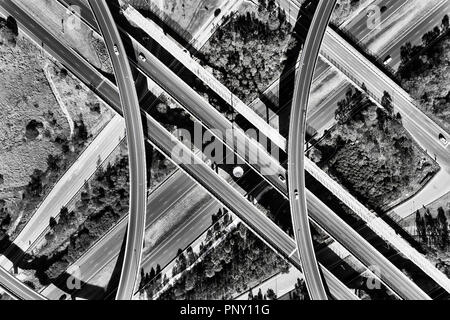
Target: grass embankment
x,y
36,143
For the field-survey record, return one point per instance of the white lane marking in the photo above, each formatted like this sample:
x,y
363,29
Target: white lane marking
x,y
292,253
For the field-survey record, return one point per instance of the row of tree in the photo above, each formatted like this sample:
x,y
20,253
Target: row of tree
x,y
300,292
269,295
152,281
102,203
410,60
240,259
424,73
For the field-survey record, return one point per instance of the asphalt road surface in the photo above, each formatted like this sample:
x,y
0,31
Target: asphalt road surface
x,y
296,147
136,149
69,184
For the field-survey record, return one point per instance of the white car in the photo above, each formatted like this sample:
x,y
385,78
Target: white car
x,y
142,57
443,139
296,194
116,50
370,12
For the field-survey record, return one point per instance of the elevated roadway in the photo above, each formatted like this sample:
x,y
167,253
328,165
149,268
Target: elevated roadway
x,y
136,149
296,149
17,288
255,219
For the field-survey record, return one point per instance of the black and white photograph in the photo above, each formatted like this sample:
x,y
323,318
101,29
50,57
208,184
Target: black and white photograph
x,y
224,159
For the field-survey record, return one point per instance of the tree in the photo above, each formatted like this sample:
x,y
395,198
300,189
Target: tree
x,y
445,22
152,274
64,216
191,257
63,73
363,87
158,269
405,52
226,219
271,294
418,223
386,102
52,223
428,37
260,295
214,218
7,34
190,281
209,235
423,230
165,280
443,228
81,133
35,187
50,236
53,162
182,261
301,293
429,226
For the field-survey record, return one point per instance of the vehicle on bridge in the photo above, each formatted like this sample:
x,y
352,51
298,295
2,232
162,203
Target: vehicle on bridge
x,y
142,57
443,139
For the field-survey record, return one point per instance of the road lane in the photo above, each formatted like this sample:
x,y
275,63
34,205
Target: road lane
x,y
290,252
136,149
17,288
296,147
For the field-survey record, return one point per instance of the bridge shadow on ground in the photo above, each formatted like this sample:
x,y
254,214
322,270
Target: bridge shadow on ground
x,y
40,265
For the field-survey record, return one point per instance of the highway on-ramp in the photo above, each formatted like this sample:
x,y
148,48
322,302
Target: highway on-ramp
x,y
296,147
155,69
280,240
209,116
136,149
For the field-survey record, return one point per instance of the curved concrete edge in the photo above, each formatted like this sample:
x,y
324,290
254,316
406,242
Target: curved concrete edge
x,y
296,143
136,149
16,288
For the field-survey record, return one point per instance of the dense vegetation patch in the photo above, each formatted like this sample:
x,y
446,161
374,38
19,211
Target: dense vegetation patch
x,y
425,73
247,53
371,154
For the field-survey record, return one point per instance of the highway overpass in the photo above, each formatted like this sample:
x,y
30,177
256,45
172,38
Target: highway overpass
x,y
17,288
296,149
136,149
109,93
